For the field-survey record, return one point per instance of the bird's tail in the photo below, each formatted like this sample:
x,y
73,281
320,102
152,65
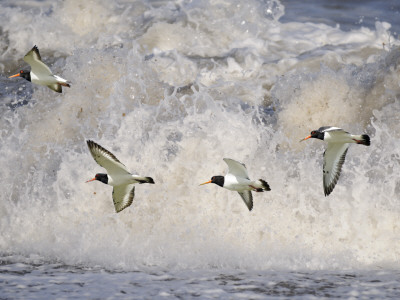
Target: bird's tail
x,y
265,185
145,180
362,139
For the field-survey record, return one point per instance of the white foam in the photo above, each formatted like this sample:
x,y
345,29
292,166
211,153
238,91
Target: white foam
x,y
253,87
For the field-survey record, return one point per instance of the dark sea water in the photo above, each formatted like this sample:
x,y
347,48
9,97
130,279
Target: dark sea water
x,y
71,282
171,88
349,15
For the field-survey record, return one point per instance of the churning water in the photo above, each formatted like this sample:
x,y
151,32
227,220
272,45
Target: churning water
x,y
171,88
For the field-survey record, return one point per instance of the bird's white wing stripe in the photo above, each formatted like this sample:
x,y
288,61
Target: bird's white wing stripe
x,y
236,168
60,79
334,158
123,196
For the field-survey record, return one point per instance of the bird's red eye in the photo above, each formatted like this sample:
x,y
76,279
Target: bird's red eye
x,y
21,71
312,132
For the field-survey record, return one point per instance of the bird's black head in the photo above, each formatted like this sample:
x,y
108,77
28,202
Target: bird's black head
x,y
315,134
100,177
24,74
218,180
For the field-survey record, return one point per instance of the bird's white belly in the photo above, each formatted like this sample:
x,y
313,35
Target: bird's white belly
x,y
42,79
237,184
341,137
121,179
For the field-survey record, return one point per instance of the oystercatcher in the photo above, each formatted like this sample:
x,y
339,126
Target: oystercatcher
x,y
237,179
118,176
40,73
335,153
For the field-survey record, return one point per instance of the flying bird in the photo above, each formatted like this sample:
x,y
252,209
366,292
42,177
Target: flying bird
x,y
335,153
40,73
117,176
237,179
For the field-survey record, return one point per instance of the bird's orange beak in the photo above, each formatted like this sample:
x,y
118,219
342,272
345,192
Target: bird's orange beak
x,y
91,180
306,138
206,182
16,75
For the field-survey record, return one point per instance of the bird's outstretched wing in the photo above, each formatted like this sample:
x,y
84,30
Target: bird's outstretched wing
x,y
236,168
106,159
123,196
247,198
334,157
329,128
35,61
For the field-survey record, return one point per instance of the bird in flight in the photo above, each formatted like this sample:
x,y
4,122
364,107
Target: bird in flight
x,y
335,153
117,176
237,179
40,73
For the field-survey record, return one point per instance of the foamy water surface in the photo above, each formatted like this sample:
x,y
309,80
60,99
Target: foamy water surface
x,y
171,88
